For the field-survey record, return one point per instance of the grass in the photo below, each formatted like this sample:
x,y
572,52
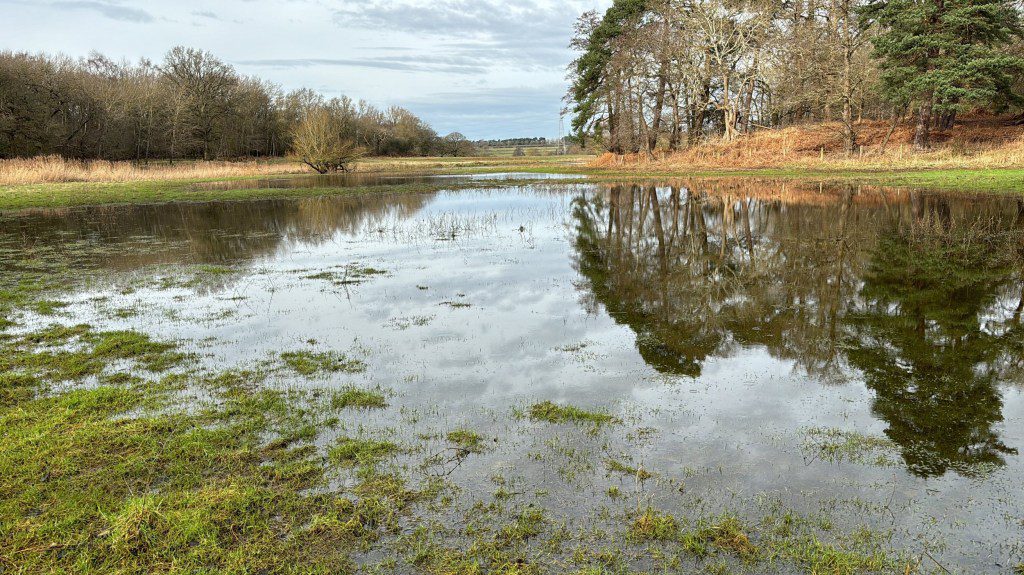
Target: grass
x,y
122,456
352,397
161,184
466,440
549,412
616,466
55,169
837,446
349,452
309,363
85,489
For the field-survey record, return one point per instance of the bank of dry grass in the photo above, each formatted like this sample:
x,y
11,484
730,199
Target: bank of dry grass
x,y
55,169
975,143
59,170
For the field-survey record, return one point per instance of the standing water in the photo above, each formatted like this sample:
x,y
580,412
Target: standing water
x,y
796,378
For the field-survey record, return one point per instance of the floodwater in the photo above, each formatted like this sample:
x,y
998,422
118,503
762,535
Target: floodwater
x,y
845,352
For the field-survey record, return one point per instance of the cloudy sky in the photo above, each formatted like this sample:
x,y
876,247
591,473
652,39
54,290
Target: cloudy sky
x,y
487,68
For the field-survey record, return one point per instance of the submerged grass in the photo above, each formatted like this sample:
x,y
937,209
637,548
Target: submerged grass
x,y
311,363
550,412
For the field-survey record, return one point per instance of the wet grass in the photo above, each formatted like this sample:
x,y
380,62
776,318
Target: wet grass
x,y
361,451
310,363
550,412
616,466
86,488
352,397
121,456
837,446
466,440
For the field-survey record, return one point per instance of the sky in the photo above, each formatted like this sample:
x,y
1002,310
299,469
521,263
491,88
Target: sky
x,y
486,68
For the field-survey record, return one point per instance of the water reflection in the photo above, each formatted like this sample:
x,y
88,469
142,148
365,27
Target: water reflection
x,y
918,294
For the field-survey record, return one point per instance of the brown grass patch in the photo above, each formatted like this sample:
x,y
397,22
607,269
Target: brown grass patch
x,y
55,169
977,142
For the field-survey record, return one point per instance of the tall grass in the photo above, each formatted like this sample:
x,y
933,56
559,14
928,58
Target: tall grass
x,y
55,169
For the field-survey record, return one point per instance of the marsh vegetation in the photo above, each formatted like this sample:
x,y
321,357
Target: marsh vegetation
x,y
693,376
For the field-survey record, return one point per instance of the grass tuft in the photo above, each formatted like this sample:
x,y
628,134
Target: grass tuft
x,y
554,413
311,363
352,397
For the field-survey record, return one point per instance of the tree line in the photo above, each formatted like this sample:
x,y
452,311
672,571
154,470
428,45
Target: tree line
x,y
190,105
671,73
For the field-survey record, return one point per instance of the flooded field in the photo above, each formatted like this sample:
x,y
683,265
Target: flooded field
x,y
706,377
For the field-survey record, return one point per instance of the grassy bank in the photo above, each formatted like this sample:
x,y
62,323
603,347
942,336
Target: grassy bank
x,y
188,182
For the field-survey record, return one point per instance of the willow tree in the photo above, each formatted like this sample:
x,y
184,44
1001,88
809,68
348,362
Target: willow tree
x,y
318,143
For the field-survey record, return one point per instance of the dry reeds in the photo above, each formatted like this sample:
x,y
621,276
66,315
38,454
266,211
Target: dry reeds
x,y
56,169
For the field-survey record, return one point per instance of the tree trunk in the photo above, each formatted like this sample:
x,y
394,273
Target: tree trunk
x,y
849,136
659,103
922,134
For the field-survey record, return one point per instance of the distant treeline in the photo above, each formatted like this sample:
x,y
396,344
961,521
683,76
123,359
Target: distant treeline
x,y
191,105
516,142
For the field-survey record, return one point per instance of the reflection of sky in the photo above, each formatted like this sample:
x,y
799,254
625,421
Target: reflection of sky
x,y
738,423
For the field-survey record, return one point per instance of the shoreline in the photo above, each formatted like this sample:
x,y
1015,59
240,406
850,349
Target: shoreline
x,y
78,194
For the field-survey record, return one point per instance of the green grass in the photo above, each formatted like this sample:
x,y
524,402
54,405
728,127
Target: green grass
x,y
349,451
836,446
311,363
85,194
352,397
616,466
1000,180
91,193
553,413
466,440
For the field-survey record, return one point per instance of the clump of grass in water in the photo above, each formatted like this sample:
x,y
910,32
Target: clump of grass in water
x,y
836,446
350,451
311,363
527,523
617,466
350,397
71,353
466,440
653,525
554,413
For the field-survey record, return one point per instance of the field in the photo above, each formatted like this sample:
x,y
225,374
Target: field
x,y
983,155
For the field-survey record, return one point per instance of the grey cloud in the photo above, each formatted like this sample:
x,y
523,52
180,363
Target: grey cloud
x,y
399,63
108,9
528,33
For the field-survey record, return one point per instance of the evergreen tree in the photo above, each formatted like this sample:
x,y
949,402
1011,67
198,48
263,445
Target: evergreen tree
x,y
945,55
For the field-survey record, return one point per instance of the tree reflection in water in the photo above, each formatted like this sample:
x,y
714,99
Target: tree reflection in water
x,y
918,295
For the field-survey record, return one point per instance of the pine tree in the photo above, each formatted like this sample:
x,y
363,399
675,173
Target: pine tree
x,y
945,55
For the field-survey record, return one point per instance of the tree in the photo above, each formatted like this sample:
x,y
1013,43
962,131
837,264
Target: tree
x,y
455,144
317,142
944,55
